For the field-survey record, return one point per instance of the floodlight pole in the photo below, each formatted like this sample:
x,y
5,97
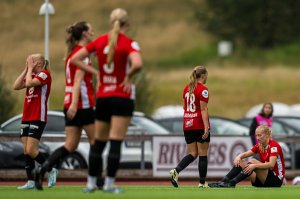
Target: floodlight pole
x,y
47,9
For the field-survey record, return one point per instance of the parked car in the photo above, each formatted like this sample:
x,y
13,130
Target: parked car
x,y
12,154
221,126
131,150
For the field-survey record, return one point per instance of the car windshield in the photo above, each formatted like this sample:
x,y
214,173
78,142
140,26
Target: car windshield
x,y
280,126
148,125
13,126
55,124
294,122
226,127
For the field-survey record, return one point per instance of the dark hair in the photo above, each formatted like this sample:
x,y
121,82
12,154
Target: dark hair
x,y
74,34
262,110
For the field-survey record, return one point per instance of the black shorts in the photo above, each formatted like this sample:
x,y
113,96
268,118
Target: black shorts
x,y
271,181
83,117
195,136
32,129
113,106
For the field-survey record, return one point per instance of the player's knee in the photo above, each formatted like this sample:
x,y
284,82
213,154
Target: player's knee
x,y
194,154
32,152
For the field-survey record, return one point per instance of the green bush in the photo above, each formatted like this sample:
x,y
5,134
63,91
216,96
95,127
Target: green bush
x,y
7,102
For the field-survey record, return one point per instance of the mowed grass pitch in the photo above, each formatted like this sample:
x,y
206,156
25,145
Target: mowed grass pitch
x,y
154,192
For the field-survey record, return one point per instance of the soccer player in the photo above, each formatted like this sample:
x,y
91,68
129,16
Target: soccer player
x,y
119,59
268,172
79,99
195,125
36,78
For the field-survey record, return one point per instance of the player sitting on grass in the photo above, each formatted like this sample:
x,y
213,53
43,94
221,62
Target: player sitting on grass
x,y
269,172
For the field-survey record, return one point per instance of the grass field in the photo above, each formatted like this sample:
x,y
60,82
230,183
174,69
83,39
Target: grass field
x,y
145,192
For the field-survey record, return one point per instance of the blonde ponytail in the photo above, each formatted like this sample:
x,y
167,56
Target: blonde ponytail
x,y
195,76
118,18
113,37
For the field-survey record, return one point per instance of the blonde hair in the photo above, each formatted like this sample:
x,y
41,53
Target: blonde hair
x,y
195,76
265,130
118,18
42,59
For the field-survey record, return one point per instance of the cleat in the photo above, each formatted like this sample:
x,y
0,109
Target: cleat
x,y
39,176
174,177
214,184
226,185
113,189
52,175
205,185
89,190
29,185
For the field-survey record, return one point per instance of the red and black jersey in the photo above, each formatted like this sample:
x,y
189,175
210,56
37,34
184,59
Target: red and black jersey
x,y
273,149
86,94
36,99
192,119
112,76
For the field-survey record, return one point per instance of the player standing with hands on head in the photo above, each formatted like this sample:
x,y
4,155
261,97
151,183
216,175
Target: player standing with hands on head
x,y
268,172
79,99
119,59
36,78
195,126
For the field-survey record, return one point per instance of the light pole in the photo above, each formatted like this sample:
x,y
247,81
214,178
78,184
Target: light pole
x,y
47,9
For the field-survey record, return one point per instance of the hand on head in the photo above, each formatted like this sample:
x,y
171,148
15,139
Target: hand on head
x,y
31,62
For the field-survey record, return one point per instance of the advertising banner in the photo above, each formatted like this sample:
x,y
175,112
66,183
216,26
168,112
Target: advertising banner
x,y
168,151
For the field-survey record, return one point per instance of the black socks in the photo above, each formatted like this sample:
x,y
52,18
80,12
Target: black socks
x,y
57,156
202,168
40,158
114,156
232,173
29,166
95,158
188,159
241,176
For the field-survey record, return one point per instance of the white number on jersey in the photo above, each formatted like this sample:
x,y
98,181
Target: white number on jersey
x,y
190,102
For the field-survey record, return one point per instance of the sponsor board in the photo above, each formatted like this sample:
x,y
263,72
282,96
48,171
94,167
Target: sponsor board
x,y
168,151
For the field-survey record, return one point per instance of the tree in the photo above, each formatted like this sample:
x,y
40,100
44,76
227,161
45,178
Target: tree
x,y
7,101
260,23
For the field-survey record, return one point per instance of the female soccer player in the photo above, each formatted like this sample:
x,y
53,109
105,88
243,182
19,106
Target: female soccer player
x,y
36,78
79,98
195,125
268,172
119,59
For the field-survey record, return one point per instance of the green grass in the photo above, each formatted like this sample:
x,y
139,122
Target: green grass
x,y
145,192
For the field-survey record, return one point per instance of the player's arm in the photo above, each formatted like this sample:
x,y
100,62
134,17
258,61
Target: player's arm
x,y
20,83
266,165
204,113
79,75
241,156
136,66
77,60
